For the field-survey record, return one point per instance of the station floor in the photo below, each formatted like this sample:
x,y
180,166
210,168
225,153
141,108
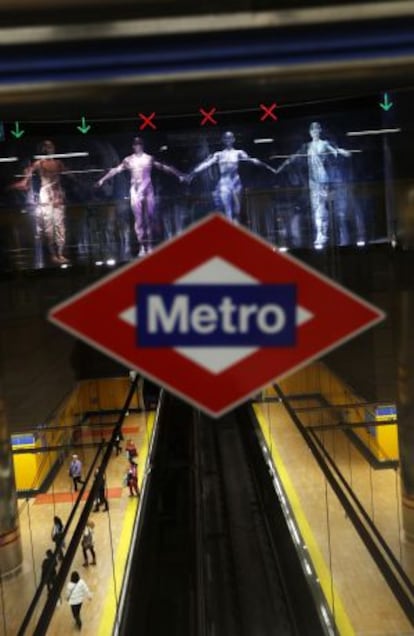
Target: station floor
x,y
359,597
112,535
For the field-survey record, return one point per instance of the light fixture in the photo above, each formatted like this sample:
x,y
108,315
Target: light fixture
x,y
62,155
373,131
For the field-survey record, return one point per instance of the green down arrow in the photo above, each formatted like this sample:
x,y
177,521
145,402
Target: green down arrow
x,y
84,128
17,132
386,105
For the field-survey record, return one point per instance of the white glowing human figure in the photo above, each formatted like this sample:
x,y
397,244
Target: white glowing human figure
x,y
318,152
50,208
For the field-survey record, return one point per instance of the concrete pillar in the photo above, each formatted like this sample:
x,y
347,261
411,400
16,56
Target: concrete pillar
x,y
11,555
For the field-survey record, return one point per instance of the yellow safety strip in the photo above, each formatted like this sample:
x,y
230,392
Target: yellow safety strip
x,y
107,622
342,621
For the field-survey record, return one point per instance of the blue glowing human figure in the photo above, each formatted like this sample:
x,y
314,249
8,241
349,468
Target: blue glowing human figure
x,y
228,191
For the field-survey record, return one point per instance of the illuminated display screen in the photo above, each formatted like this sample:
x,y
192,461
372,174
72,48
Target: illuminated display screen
x,y
99,191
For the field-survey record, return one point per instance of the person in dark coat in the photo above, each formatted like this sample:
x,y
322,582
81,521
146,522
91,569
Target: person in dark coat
x,y
49,570
117,443
57,536
101,498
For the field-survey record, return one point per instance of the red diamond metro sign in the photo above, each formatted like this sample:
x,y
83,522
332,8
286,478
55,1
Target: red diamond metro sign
x,y
215,315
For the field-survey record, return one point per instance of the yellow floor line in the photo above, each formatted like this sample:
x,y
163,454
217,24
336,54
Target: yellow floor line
x,y
106,624
343,623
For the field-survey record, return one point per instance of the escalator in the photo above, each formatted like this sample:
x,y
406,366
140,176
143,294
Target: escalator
x,y
213,552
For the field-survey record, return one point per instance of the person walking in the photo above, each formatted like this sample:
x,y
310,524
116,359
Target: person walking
x,y
57,536
132,479
101,498
75,472
88,544
117,443
76,592
49,570
131,450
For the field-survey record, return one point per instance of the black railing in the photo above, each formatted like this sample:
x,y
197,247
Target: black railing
x,y
54,595
395,577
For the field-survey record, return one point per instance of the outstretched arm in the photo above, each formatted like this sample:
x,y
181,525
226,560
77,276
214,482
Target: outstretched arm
x,y
168,169
290,160
337,151
258,162
111,173
207,163
343,152
23,184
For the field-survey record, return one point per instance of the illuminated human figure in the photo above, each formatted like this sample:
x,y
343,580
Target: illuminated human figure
x,y
140,166
49,209
228,192
318,153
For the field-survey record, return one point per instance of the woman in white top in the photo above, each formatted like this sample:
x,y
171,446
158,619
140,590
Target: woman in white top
x,y
76,592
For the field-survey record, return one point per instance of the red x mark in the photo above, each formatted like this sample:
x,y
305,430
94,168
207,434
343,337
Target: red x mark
x,y
268,111
147,121
208,116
